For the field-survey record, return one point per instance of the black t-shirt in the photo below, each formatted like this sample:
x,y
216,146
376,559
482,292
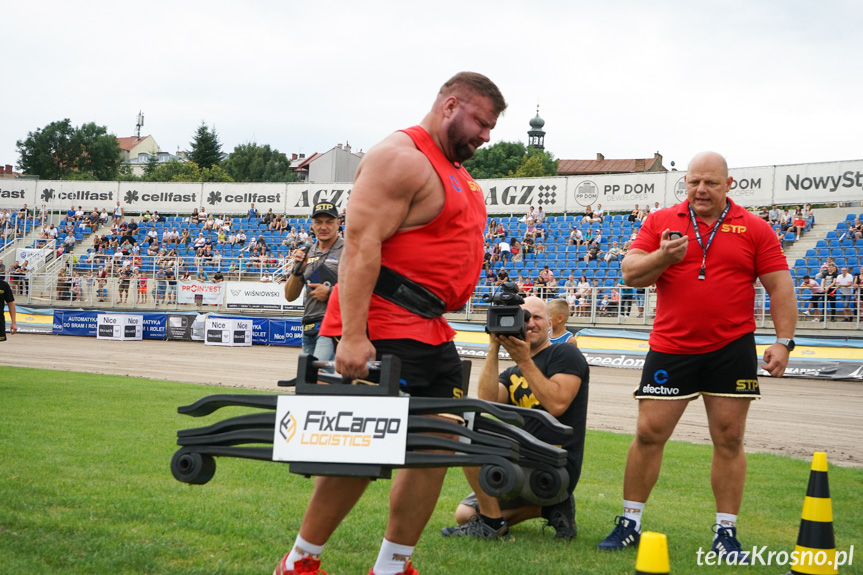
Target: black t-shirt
x,y
6,296
557,358
829,278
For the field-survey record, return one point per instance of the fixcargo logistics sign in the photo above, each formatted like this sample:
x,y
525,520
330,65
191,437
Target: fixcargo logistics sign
x,y
341,429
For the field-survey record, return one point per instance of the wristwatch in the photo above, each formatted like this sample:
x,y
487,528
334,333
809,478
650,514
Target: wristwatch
x,y
789,343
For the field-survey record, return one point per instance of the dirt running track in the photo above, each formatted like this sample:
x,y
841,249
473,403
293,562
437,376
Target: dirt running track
x,y
795,416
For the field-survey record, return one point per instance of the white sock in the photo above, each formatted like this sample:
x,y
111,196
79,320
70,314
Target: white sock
x,y
632,510
392,558
303,548
726,520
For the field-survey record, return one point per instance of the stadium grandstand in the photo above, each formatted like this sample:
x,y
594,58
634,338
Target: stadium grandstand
x,y
87,259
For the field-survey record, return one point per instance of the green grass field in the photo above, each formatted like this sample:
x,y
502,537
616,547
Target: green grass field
x,y
86,488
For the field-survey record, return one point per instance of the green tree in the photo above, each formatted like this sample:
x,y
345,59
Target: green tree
x,y
61,151
175,171
253,163
101,155
510,160
536,164
500,160
531,167
215,174
206,148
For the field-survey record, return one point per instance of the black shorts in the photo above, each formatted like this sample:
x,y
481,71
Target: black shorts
x,y
427,370
730,371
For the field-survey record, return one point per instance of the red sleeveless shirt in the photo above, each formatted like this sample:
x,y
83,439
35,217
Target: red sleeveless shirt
x,y
445,256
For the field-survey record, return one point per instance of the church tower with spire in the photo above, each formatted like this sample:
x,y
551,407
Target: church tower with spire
x,y
536,135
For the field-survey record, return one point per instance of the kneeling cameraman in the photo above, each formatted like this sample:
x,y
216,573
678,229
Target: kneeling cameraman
x,y
551,377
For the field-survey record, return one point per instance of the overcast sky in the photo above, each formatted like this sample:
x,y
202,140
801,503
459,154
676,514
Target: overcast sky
x,y
763,82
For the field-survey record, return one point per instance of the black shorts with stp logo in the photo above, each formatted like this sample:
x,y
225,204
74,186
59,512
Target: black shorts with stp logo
x,y
730,371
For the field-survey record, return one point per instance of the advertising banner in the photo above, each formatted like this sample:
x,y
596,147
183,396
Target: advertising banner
x,y
119,326
79,322
341,429
615,192
179,326
211,293
302,197
231,332
515,195
180,197
37,257
260,296
285,332
74,323
15,193
819,183
237,198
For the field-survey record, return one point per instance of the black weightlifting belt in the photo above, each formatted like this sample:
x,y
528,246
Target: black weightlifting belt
x,y
406,293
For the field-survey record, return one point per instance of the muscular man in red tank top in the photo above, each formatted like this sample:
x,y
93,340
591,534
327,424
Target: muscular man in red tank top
x,y
410,194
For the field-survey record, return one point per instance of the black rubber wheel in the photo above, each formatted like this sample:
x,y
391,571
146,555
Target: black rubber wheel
x,y
192,467
501,480
548,483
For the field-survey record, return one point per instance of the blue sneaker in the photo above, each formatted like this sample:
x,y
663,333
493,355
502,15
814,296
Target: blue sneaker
x,y
623,535
726,545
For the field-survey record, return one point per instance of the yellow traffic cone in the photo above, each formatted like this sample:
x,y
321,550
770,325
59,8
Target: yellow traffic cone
x,y
815,551
652,554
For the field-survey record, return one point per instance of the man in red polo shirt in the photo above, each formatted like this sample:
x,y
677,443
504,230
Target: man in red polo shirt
x,y
703,342
433,209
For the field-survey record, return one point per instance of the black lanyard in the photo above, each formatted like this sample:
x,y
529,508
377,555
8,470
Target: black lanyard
x,y
703,270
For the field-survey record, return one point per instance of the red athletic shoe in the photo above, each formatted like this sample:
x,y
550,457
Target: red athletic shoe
x,y
304,565
409,570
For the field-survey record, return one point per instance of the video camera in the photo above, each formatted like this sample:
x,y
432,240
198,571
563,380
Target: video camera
x,y
506,316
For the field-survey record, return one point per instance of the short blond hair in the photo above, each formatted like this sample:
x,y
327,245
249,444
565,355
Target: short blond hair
x,y
557,306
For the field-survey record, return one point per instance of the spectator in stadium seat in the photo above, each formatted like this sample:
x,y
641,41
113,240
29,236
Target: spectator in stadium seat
x,y
845,293
558,375
594,252
161,285
530,231
118,213
502,277
764,214
576,238
125,277
812,294
171,285
489,274
598,214
774,216
613,253
141,280
570,288
253,213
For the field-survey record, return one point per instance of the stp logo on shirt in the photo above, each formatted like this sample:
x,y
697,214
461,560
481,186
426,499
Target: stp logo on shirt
x,y
733,229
